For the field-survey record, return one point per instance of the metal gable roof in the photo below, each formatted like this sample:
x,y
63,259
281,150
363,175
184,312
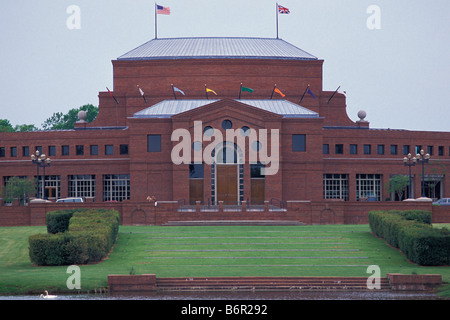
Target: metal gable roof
x,y
214,48
169,108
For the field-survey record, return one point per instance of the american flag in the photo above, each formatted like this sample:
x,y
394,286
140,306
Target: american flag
x,y
283,10
162,10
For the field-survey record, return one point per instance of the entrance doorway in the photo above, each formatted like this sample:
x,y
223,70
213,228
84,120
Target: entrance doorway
x,y
258,184
227,183
227,174
50,192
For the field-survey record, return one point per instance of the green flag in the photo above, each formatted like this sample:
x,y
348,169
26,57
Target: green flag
x,y
246,89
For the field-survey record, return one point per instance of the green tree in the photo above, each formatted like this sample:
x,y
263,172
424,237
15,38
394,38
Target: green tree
x,y
25,128
18,188
398,184
5,126
61,121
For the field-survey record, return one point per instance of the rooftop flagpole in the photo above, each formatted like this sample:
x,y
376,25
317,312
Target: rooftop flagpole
x,y
276,10
156,22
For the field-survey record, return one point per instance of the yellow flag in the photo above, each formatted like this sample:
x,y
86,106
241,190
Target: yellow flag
x,y
209,90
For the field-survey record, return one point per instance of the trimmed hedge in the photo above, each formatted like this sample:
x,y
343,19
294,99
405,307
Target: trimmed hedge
x,y
412,233
58,221
89,237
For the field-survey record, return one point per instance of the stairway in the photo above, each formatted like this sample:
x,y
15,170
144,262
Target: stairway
x,y
235,223
267,284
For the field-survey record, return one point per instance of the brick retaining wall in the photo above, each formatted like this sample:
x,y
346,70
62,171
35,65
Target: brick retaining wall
x,y
147,283
145,213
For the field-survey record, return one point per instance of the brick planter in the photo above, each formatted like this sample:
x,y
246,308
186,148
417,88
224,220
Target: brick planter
x,y
414,282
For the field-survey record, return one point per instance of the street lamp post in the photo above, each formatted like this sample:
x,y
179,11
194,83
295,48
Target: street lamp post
x,y
423,158
409,161
41,161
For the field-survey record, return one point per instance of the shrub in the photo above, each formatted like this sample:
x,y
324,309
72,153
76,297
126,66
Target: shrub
x,y
412,233
58,221
78,237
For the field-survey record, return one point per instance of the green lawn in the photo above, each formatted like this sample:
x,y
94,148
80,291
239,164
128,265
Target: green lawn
x,y
333,250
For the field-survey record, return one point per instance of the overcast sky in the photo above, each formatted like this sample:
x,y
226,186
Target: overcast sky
x,y
398,70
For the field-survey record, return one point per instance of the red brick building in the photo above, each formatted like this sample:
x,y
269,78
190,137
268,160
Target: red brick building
x,y
208,85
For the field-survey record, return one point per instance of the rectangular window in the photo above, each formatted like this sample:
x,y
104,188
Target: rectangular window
x,y
65,150
26,151
441,150
109,149
116,187
368,187
298,143
79,150
430,150
380,149
367,149
255,171
94,150
335,186
393,149
39,148
52,151
405,150
154,143
82,186
418,148
196,171
2,152
124,149
353,149
13,152
339,149
326,149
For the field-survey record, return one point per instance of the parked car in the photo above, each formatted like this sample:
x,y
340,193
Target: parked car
x,y
39,201
70,200
442,202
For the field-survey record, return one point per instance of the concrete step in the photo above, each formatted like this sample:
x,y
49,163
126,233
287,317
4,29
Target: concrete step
x,y
271,283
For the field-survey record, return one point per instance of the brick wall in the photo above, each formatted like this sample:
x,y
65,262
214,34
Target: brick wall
x,y
146,213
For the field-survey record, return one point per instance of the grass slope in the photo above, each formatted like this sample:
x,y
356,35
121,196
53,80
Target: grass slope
x,y
333,250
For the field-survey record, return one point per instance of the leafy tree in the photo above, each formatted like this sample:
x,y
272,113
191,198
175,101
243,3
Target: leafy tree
x,y
25,128
17,188
5,126
398,185
61,121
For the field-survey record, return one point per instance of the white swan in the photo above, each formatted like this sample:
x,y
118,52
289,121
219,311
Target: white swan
x,y
47,296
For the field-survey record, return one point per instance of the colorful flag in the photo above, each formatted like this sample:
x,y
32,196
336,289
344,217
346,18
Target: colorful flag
x,y
178,90
142,94
279,92
162,10
209,90
246,89
310,92
112,96
342,92
283,10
